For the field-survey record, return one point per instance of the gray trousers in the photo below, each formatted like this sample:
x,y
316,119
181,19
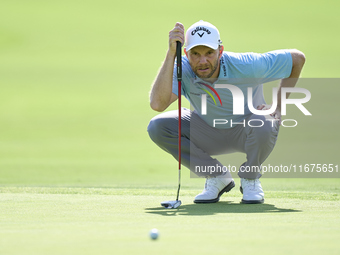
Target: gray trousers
x,y
200,141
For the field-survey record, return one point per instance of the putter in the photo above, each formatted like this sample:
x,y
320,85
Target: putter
x,y
176,203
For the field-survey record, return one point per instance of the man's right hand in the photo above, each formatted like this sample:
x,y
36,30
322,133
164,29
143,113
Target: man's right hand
x,y
161,95
176,34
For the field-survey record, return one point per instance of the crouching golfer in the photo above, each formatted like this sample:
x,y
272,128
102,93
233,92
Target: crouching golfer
x,y
213,128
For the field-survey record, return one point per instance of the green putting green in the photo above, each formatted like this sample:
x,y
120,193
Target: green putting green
x,y
65,220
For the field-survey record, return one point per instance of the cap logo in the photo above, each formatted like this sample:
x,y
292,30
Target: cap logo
x,y
193,32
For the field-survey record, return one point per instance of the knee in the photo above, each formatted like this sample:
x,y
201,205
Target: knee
x,y
156,128
265,128
153,129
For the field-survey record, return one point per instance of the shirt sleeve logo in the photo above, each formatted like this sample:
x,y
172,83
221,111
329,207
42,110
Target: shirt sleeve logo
x,y
208,92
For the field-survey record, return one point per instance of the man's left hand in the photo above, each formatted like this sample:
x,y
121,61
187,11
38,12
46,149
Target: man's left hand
x,y
276,115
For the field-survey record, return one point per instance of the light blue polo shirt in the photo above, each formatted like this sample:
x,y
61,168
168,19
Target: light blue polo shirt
x,y
240,69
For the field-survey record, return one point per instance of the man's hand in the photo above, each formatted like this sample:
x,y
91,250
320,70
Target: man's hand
x,y
176,34
161,95
276,115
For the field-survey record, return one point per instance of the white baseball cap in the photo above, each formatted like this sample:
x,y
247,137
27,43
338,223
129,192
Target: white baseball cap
x,y
202,33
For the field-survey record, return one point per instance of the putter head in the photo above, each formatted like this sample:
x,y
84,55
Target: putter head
x,y
171,204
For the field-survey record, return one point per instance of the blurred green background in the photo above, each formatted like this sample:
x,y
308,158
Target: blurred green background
x,y
78,172
75,78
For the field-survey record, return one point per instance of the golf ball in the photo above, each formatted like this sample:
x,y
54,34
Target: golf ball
x,y
154,233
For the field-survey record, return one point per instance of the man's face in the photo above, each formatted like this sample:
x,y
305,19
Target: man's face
x,y
204,61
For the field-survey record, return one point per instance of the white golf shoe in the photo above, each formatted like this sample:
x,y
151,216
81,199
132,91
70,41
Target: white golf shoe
x,y
214,188
252,191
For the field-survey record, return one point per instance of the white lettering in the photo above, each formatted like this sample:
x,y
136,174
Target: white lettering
x,y
283,121
255,120
219,122
297,102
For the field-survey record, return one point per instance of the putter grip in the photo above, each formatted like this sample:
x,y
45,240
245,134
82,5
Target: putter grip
x,y
179,60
